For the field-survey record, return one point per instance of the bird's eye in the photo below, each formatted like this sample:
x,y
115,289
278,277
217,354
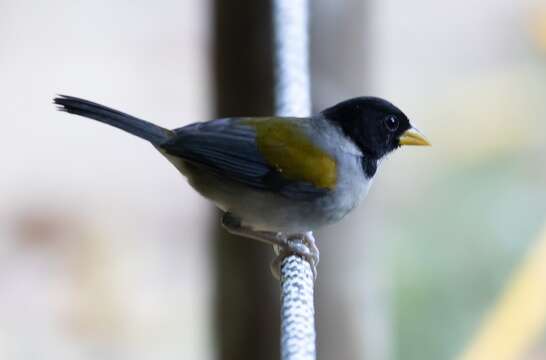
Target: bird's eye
x,y
391,123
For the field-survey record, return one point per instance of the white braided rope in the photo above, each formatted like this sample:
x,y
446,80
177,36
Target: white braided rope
x,y
297,310
293,98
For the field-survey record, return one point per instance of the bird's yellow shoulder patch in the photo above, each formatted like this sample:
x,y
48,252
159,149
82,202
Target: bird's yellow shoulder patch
x,y
286,148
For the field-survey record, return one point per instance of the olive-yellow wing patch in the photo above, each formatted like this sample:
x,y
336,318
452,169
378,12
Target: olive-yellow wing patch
x,y
289,151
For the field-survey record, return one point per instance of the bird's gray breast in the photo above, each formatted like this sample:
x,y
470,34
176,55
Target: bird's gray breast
x,y
352,182
352,186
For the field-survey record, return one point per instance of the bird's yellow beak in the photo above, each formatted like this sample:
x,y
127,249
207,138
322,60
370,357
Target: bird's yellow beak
x,y
412,136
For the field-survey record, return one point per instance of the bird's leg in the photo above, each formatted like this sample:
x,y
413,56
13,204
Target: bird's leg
x,y
298,244
233,225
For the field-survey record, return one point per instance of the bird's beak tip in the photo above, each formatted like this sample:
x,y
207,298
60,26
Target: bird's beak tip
x,y
412,136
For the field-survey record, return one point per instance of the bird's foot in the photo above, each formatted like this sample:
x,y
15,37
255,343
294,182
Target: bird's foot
x,y
303,245
294,244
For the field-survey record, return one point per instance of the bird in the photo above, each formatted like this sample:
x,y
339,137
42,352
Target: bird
x,y
276,179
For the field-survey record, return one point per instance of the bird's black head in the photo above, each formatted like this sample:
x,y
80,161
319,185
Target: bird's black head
x,y
375,125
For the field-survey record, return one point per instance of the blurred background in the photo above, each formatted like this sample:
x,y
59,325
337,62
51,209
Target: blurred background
x,y
106,252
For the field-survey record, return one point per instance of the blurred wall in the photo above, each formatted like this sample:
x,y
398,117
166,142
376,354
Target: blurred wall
x,y
412,272
101,249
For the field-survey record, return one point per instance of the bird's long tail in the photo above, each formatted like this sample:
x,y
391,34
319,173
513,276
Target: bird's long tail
x,y
146,130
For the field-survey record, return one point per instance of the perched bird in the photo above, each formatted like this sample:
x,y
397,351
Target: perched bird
x,y
276,178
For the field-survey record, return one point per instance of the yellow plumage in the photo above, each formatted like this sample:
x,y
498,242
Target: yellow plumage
x,y
286,148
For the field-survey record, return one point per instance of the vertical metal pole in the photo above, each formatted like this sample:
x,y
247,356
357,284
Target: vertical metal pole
x,y
246,319
291,43
292,98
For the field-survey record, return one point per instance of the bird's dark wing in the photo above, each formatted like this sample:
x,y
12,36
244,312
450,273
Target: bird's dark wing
x,y
258,152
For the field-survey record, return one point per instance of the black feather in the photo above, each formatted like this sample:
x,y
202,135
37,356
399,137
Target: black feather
x,y
143,129
362,119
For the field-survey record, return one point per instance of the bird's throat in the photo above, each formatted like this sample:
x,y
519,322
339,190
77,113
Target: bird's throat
x,y
369,166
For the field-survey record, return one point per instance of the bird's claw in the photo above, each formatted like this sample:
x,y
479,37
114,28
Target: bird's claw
x,y
296,244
